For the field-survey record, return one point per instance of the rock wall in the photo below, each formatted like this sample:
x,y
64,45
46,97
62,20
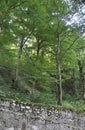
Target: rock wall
x,y
19,116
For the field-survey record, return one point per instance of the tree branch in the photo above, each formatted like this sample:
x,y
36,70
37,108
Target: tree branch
x,y
13,6
69,48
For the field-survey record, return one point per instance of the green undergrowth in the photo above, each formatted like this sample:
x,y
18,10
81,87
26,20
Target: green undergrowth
x,y
78,106
43,99
12,94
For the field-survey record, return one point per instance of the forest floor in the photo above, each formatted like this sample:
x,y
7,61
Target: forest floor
x,y
14,95
29,95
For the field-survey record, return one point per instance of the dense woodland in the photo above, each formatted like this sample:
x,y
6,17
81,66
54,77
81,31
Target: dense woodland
x,y
42,51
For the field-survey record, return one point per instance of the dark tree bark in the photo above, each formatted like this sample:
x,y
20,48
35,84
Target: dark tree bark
x,y
15,80
38,47
82,82
58,69
18,62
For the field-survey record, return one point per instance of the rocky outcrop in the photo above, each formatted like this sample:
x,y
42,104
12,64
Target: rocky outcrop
x,y
21,116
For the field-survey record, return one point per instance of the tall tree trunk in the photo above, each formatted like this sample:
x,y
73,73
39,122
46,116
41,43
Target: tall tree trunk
x,y
23,41
84,90
82,82
15,81
18,62
58,69
39,43
38,48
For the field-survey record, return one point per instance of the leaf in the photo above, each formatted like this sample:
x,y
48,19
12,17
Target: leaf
x,y
6,1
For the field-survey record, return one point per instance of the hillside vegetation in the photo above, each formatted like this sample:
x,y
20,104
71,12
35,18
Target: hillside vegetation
x,y
42,52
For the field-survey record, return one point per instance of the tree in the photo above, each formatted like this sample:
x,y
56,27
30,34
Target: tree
x,y
41,40
62,33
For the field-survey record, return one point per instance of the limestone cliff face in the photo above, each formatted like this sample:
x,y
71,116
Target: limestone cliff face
x,y
19,116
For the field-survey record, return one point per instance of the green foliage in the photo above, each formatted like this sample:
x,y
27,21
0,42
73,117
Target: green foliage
x,y
9,93
77,106
46,98
35,25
